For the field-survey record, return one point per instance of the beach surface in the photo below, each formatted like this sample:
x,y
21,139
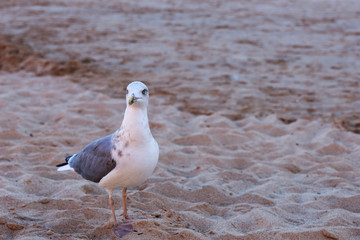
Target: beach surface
x,y
255,106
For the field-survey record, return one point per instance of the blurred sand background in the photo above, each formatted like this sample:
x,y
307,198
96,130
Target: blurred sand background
x,y
255,106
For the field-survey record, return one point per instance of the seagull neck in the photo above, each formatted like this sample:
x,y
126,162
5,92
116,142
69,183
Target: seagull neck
x,y
136,122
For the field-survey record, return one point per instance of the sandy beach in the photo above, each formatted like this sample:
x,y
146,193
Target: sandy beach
x,y
255,106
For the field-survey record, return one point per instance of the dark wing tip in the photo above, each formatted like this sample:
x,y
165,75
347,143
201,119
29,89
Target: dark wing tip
x,y
67,158
61,164
65,163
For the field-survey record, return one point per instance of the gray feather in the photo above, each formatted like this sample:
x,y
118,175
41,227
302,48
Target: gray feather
x,y
95,161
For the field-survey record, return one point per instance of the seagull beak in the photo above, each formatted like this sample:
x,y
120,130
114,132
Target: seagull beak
x,y
132,99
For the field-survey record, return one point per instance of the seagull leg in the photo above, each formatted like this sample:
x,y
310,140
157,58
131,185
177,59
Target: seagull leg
x,y
111,201
125,216
122,228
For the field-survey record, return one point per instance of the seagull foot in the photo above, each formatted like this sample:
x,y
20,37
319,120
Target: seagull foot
x,y
123,228
126,218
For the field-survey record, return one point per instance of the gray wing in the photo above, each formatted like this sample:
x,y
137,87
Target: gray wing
x,y
95,160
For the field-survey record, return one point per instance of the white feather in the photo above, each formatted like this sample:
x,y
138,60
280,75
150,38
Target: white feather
x,y
65,168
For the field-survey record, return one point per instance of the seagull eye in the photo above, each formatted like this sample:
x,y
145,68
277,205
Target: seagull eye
x,y
127,92
144,92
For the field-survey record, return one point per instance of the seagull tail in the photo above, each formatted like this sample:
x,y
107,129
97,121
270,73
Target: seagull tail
x,y
65,166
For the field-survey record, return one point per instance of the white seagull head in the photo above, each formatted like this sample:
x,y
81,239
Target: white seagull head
x,y
137,95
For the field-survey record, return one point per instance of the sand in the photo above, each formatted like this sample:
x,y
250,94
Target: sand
x,y
255,106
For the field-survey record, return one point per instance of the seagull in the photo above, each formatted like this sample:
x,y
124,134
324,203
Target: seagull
x,y
123,159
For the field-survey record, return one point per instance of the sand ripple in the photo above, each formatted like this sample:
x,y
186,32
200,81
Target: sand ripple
x,y
217,178
255,107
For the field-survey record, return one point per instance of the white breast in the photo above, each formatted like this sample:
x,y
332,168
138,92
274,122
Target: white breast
x,y
134,165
